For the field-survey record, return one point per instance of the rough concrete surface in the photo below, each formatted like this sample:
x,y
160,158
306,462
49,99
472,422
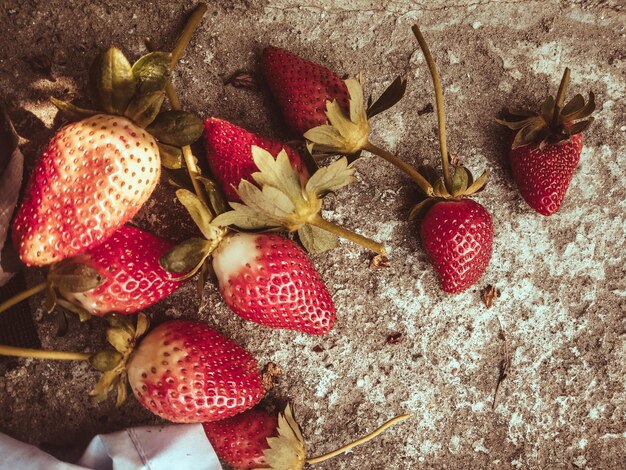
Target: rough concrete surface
x,y
561,311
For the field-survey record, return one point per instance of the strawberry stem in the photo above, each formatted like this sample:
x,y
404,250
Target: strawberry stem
x,y
42,354
188,30
560,98
319,222
441,118
358,442
405,167
16,299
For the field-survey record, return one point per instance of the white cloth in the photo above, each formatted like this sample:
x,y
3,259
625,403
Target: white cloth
x,y
172,447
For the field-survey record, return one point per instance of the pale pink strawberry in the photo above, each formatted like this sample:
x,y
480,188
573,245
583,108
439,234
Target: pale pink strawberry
x,y
186,372
229,153
268,279
93,177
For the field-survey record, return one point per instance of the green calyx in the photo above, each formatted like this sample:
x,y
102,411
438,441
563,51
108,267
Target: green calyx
x,y
555,122
123,336
192,255
463,185
137,92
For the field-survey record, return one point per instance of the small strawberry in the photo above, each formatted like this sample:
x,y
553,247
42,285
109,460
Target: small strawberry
x,y
547,146
268,279
258,439
122,275
186,372
96,173
301,88
456,232
229,152
240,441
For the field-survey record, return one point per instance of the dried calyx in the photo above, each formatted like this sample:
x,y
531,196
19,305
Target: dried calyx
x,y
288,449
555,122
452,185
284,202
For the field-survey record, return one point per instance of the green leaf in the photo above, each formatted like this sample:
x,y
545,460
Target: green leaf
x,y
119,338
547,109
113,81
244,217
171,157
479,184
83,315
521,112
581,113
575,104
186,256
73,112
105,361
142,325
152,71
579,126
143,109
177,128
277,172
389,98
75,277
460,180
217,200
419,210
330,178
106,383
198,211
315,240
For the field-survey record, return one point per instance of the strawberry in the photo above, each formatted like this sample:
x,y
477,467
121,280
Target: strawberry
x,y
456,232
134,279
240,441
229,152
458,237
301,88
268,279
186,372
93,176
96,173
258,439
546,148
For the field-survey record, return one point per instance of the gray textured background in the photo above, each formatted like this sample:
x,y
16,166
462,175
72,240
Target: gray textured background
x,y
562,278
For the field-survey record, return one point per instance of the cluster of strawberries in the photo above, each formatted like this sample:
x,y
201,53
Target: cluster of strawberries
x,y
96,174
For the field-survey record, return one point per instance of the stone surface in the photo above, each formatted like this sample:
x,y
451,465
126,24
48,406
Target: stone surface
x,y
560,318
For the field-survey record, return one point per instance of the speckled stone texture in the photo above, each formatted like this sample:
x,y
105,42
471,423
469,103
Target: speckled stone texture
x,y
560,318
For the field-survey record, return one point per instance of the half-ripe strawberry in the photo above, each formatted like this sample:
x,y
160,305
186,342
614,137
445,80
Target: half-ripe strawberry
x,y
229,153
458,237
543,173
241,441
93,176
186,372
268,279
133,277
301,88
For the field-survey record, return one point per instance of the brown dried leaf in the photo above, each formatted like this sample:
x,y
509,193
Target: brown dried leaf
x,y
379,262
489,294
243,79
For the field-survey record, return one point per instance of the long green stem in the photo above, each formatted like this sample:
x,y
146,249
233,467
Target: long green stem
x,y
319,222
560,98
358,442
184,38
7,304
404,166
42,354
441,118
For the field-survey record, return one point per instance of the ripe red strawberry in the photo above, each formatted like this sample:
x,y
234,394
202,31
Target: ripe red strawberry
x,y
93,177
186,372
240,441
229,152
301,88
458,237
268,279
134,279
546,147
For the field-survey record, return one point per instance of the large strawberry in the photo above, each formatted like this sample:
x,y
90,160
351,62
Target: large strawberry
x,y
546,148
456,232
229,152
183,370
186,372
121,275
301,88
96,173
268,279
258,439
